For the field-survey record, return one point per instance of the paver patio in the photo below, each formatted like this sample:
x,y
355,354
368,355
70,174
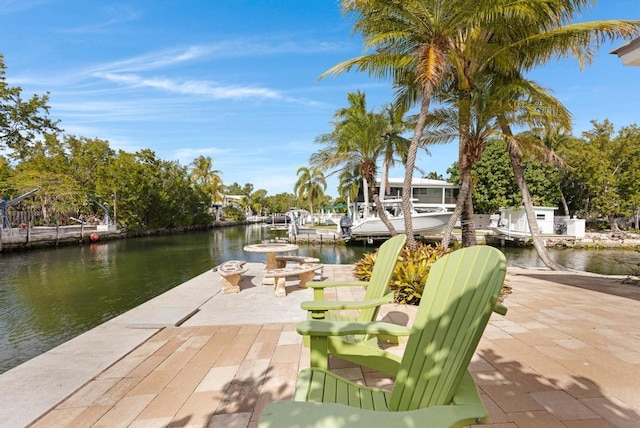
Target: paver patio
x,y
566,355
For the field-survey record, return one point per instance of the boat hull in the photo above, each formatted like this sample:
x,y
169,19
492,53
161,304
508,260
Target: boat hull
x,y
423,224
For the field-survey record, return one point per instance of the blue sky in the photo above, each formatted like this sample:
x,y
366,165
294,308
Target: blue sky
x,y
237,80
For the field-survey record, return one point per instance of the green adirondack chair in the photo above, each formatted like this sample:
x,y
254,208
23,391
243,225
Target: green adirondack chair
x,y
433,386
377,293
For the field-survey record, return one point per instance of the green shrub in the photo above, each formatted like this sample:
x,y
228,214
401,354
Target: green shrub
x,y
411,271
233,213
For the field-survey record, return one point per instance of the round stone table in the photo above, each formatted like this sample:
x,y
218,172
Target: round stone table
x,y
271,249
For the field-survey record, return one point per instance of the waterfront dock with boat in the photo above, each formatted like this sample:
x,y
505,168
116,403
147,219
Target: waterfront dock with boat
x,y
566,354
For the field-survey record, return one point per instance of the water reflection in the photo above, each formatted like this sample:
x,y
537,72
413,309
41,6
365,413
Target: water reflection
x,y
607,262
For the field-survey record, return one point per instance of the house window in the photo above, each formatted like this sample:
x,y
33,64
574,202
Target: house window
x,y
450,196
427,195
395,192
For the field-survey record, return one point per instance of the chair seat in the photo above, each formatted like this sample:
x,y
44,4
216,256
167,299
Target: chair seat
x,y
322,386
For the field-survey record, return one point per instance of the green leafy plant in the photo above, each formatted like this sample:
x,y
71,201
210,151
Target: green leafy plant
x,y
411,271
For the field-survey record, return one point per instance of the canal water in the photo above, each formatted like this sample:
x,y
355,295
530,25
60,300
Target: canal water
x,y
49,296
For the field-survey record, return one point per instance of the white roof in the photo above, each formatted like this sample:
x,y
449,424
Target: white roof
x,y
420,182
629,53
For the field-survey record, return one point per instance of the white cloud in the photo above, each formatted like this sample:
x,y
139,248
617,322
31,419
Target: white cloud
x,y
187,155
150,61
193,87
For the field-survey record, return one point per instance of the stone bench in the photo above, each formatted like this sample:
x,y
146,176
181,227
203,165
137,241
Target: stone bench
x,y
305,271
282,260
230,273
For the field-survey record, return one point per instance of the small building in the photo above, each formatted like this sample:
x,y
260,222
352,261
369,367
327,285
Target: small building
x,y
513,221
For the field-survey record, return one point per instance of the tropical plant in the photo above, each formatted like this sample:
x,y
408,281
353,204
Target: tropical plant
x,y
356,144
349,181
203,174
310,185
411,271
394,143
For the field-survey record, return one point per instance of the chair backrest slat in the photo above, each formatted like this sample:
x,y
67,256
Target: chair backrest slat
x,y
381,274
458,298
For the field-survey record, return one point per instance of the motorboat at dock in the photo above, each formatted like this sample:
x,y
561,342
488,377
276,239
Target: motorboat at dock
x,y
424,223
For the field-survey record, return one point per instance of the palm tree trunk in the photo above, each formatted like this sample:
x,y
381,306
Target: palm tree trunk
x,y
565,206
469,237
538,243
382,214
463,194
365,186
410,165
384,179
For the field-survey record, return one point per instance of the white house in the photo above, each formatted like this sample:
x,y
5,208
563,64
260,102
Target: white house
x,y
426,193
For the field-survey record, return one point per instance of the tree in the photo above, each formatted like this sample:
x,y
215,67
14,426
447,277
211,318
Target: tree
x,y
424,45
494,185
203,174
21,122
349,181
310,185
280,203
152,193
394,143
257,201
357,142
603,167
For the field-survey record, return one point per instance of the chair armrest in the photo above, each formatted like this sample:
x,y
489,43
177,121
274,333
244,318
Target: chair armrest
x,y
329,305
335,284
319,286
343,328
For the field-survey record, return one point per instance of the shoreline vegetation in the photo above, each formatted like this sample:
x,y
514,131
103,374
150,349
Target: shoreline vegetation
x,y
51,237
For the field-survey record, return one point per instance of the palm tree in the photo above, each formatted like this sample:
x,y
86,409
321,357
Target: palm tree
x,y
203,175
349,181
394,143
356,143
416,44
443,126
554,140
529,105
310,186
426,44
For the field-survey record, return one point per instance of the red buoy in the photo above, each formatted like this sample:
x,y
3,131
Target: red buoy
x,y
94,236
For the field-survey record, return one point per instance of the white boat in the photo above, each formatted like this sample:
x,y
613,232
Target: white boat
x,y
424,223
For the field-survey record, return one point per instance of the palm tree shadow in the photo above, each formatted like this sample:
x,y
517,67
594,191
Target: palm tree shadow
x,y
242,399
613,286
584,397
